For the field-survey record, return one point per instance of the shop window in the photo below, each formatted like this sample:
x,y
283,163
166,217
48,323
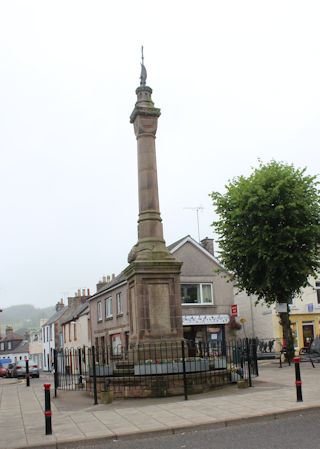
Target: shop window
x,y
318,292
196,294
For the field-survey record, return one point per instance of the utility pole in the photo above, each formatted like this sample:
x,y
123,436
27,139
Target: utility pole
x,y
197,208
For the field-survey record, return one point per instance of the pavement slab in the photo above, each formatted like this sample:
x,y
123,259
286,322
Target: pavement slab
x,y
75,418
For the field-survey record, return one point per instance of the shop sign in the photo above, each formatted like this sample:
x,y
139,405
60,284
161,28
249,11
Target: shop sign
x,y
189,320
234,310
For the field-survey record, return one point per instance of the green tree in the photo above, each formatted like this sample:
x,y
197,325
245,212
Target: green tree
x,y
269,234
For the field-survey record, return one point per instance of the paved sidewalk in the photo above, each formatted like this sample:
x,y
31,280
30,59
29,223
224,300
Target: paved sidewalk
x,y
75,419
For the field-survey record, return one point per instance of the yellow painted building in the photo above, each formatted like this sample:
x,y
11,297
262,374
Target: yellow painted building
x,y
263,322
304,316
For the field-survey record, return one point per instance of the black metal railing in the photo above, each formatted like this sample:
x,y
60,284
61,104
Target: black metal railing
x,y
161,369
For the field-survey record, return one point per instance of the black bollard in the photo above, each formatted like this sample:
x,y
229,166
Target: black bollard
x,y
27,374
47,408
298,379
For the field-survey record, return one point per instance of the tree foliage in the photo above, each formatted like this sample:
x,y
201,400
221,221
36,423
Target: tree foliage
x,y
269,234
269,230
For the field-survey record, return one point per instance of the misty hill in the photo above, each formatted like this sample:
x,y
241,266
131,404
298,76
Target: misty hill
x,y
24,317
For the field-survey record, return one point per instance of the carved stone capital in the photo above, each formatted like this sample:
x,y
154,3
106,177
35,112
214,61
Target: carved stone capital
x,y
145,124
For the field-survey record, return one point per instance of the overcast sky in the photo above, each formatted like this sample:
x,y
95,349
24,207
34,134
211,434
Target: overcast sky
x,y
235,81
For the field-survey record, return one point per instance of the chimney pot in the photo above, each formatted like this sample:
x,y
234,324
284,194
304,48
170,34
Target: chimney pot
x,y
83,292
113,275
108,278
88,291
104,279
79,292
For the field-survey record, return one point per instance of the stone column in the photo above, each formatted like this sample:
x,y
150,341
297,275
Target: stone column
x,y
153,274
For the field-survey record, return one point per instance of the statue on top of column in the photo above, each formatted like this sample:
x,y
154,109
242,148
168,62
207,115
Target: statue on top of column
x,y
143,75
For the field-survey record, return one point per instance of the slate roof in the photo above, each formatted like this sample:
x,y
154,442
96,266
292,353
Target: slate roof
x,y
23,347
173,245
75,313
114,282
12,337
56,316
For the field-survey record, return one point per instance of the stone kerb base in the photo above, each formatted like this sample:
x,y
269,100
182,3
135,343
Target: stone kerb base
x,y
171,367
161,386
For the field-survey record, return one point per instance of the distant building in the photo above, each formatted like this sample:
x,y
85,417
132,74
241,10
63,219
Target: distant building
x,y
35,345
76,329
52,337
13,346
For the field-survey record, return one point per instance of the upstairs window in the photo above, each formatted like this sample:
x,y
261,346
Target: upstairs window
x,y
109,307
318,292
99,309
196,293
119,303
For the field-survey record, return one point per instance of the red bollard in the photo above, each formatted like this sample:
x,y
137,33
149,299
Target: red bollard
x,y
298,379
47,408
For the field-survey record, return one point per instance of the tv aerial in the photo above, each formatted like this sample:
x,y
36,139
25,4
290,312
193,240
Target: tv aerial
x,y
196,209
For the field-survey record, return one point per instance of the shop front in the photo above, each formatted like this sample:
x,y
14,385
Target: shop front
x,y
205,333
305,328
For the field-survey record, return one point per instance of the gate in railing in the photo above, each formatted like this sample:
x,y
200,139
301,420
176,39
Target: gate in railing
x,y
156,370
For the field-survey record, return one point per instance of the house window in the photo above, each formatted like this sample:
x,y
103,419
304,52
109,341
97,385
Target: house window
x,y
74,331
196,294
69,331
44,335
108,302
119,303
99,311
2,346
65,333
9,345
318,292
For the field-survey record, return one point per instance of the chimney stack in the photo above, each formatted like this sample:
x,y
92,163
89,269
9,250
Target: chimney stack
x,y
59,305
207,244
9,332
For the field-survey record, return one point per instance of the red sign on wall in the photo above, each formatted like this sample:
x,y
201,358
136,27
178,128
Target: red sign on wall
x,y
234,310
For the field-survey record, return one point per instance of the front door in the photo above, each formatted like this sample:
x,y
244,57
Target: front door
x,y
307,331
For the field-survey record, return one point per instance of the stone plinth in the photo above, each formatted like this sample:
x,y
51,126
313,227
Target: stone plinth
x,y
155,306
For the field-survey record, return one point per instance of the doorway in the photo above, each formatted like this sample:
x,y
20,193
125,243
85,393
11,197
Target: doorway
x,y
307,334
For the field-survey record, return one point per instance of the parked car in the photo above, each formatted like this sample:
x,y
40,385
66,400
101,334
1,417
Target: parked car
x,y
3,369
18,369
